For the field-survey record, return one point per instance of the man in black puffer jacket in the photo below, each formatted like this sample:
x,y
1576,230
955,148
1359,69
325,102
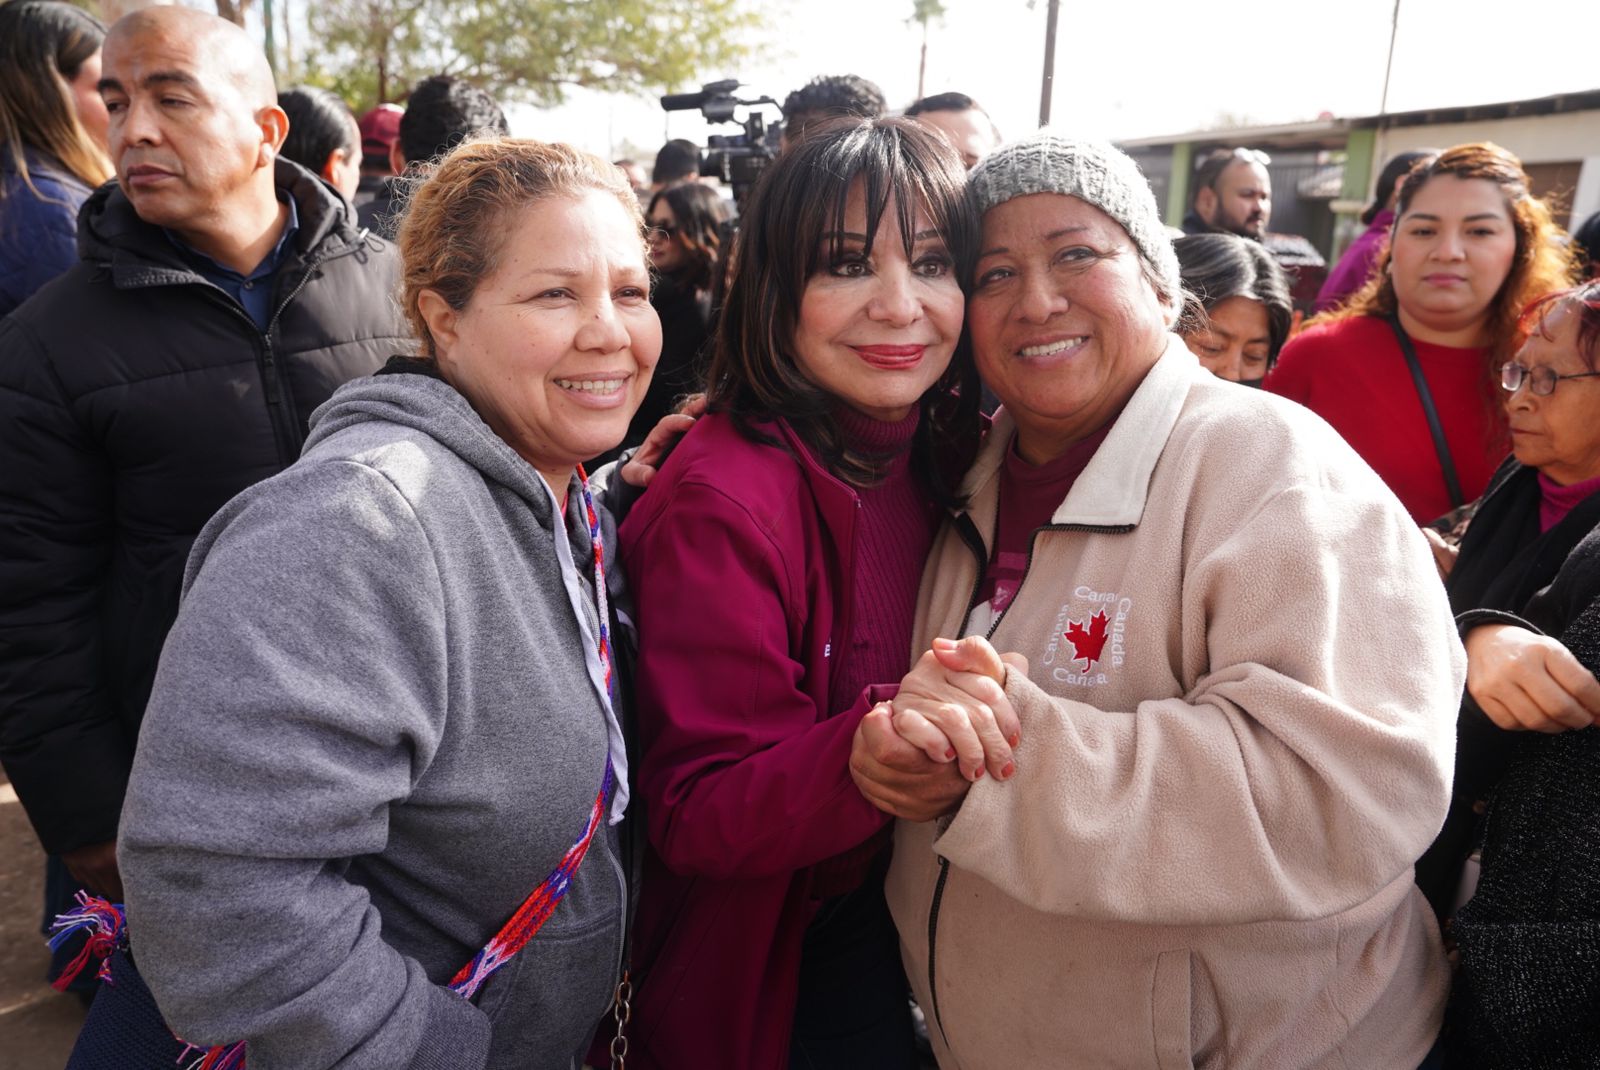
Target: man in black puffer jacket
x,y
222,294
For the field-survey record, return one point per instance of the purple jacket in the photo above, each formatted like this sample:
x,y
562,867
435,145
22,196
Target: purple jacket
x,y
1355,266
741,559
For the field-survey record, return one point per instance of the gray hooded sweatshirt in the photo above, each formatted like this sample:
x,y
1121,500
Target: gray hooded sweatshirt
x,y
376,727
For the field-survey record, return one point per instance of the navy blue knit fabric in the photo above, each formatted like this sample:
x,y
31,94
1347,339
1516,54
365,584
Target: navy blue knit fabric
x,y
124,1030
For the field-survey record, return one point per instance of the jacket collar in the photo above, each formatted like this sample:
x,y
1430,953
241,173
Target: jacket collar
x,y
1114,486
139,253
836,499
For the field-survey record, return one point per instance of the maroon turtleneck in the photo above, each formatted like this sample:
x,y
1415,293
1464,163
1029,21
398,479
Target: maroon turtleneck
x,y
1029,497
1557,500
894,531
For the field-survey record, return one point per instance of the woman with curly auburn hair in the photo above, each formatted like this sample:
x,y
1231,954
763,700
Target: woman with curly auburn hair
x,y
1408,369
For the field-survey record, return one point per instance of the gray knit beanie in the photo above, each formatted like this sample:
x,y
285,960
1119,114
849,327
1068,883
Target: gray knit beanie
x,y
1091,171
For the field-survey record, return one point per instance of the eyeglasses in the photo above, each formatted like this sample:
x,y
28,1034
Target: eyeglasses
x,y
661,232
1541,380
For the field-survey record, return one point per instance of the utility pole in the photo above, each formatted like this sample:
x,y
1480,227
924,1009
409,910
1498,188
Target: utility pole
x,y
924,12
288,41
922,67
1378,147
1050,61
272,40
1388,64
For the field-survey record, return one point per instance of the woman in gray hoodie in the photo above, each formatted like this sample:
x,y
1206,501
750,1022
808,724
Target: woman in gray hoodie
x,y
386,714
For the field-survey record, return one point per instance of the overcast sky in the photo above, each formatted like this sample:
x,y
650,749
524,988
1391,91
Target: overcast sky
x,y
1132,68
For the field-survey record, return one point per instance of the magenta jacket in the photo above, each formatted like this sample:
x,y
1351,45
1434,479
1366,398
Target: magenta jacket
x,y
1356,265
740,556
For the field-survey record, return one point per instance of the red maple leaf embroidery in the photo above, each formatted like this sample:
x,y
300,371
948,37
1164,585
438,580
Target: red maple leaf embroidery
x,y
1087,642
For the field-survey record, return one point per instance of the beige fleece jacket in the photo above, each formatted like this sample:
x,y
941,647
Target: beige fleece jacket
x,y
1237,737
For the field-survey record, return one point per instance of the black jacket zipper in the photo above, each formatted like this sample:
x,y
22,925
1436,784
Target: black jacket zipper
x,y
284,418
285,430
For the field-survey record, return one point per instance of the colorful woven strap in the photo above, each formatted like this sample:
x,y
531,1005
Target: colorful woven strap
x,y
222,1057
537,908
601,599
542,901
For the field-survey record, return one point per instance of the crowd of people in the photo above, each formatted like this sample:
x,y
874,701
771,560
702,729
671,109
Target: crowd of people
x,y
465,603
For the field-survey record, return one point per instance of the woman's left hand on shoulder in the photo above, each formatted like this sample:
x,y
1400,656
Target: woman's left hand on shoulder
x,y
641,468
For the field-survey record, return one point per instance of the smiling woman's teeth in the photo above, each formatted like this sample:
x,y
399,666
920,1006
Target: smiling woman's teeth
x,y
1052,347
591,386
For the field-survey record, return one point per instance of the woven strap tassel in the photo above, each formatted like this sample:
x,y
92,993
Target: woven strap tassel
x,y
107,927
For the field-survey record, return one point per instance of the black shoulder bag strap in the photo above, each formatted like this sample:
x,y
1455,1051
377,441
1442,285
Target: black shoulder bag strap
x,y
1440,446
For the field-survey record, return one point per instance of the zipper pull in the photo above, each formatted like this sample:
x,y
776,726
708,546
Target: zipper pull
x,y
269,372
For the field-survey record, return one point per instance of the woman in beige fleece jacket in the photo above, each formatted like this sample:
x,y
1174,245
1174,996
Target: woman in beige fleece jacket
x,y
1239,696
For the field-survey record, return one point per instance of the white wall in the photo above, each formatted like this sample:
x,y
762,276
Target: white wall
x,y
1536,138
1586,196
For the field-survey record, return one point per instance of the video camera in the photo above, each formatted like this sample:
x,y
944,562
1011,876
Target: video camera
x,y
737,159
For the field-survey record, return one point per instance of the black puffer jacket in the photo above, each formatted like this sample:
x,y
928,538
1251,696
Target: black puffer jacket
x,y
136,398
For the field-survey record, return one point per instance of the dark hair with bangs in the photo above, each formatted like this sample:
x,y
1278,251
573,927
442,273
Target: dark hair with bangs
x,y
792,228
1393,173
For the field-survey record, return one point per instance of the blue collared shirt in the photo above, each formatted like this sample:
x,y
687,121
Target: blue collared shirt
x,y
252,291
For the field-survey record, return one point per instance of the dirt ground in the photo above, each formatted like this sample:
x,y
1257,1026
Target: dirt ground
x,y
37,1024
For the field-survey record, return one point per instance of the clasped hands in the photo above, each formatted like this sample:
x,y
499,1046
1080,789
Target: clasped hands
x,y
916,756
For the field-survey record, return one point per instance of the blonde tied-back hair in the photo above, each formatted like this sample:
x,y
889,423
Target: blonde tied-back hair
x,y
43,46
457,219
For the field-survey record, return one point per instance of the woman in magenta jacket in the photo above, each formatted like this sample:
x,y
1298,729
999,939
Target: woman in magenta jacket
x,y
775,560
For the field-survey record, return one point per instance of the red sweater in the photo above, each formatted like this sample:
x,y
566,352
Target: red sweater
x,y
1352,373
